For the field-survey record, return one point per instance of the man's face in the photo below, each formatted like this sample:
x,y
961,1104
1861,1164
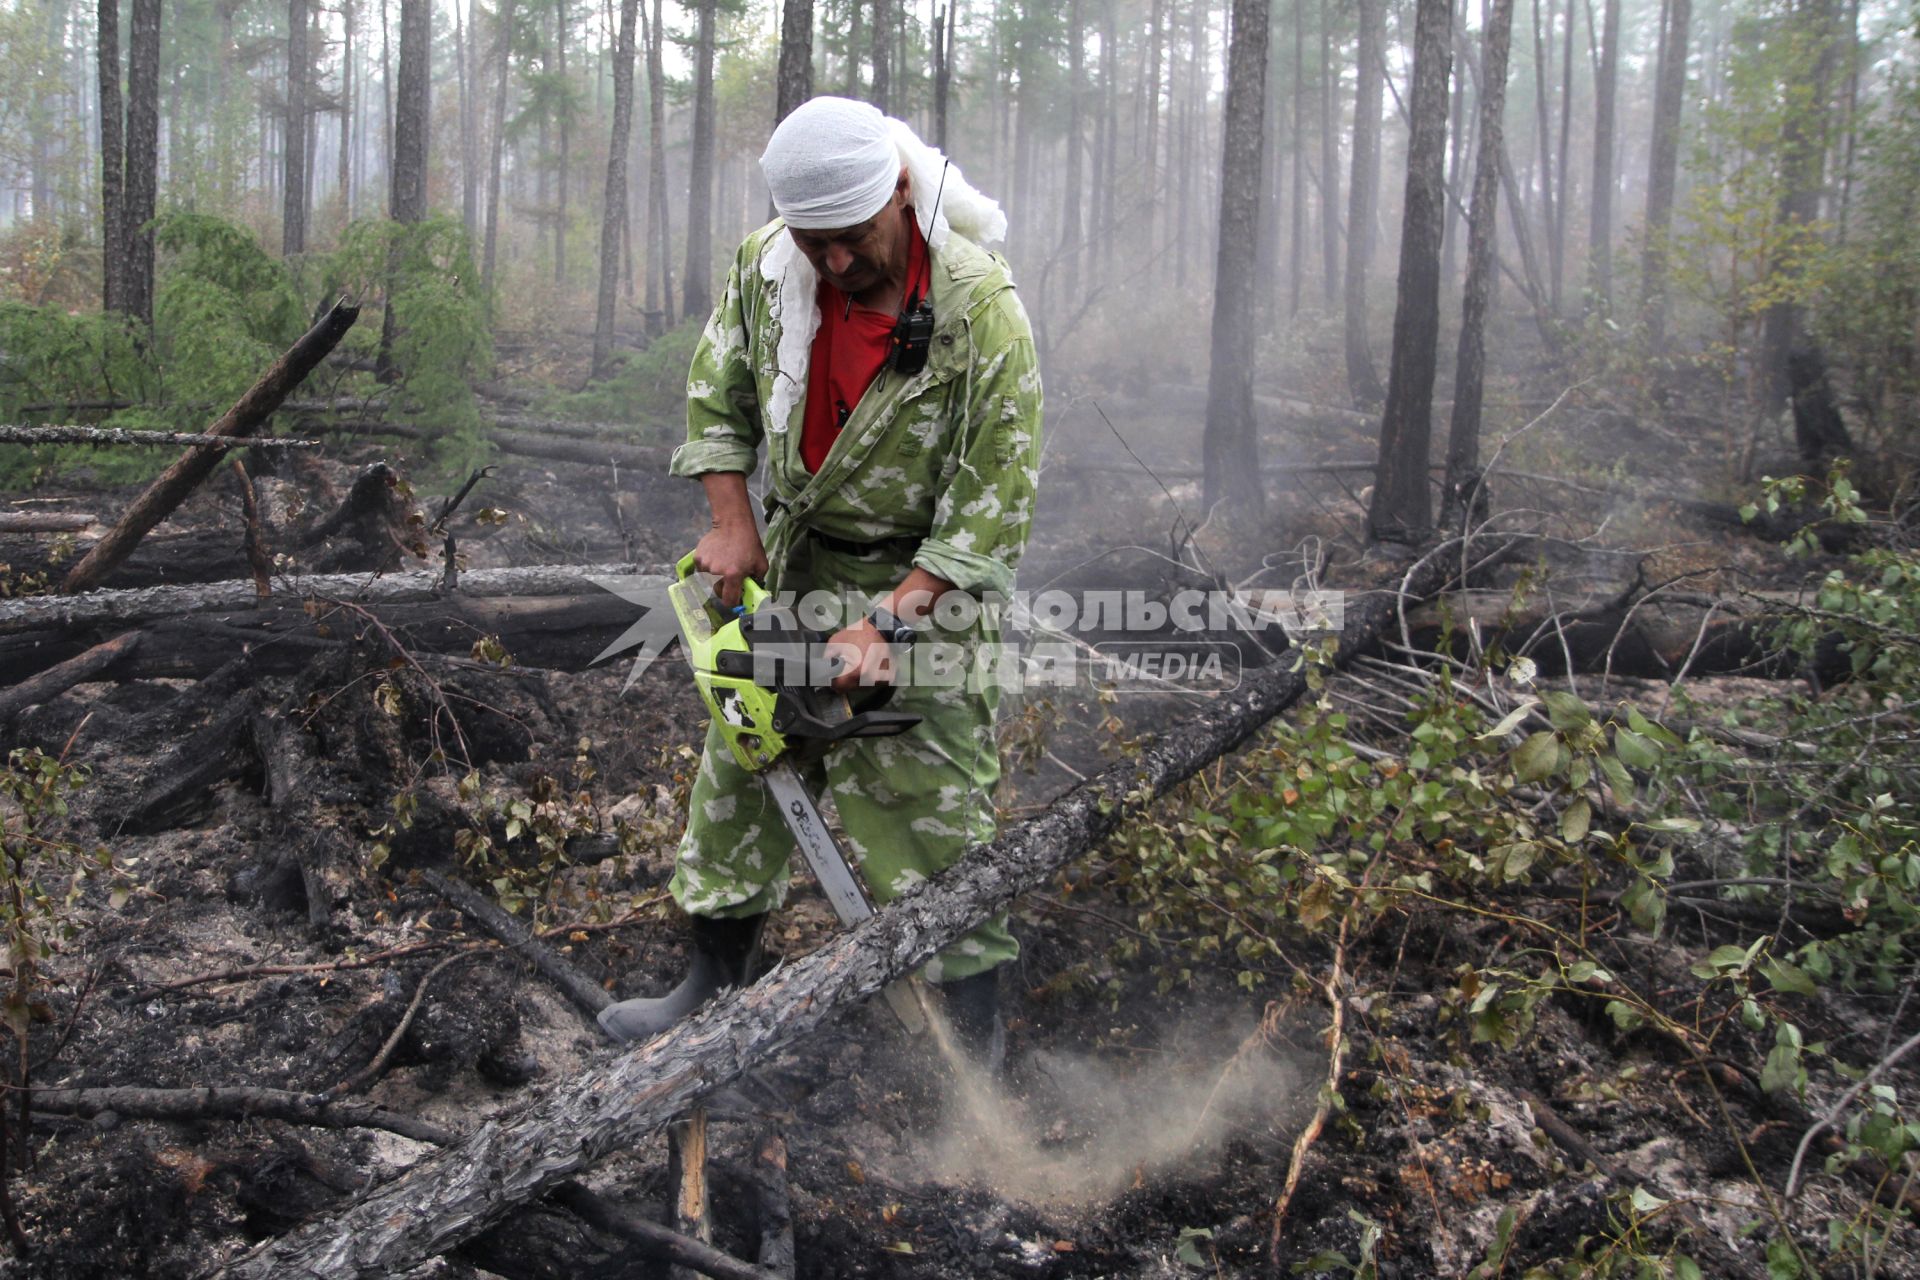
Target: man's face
x,y
859,258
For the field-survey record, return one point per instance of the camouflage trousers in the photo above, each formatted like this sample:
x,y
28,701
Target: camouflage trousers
x,y
908,806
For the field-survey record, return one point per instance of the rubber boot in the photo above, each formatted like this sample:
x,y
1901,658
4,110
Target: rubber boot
x,y
724,951
973,1013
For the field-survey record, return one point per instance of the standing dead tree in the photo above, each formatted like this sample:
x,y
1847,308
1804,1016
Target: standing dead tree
x,y
458,1193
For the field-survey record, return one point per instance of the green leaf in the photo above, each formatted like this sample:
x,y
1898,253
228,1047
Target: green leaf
x,y
1575,821
1637,752
1789,978
1534,759
1644,1201
1509,722
1618,779
1624,1015
1566,711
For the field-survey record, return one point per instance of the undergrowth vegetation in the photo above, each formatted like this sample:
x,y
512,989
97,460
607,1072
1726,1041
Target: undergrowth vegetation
x,y
1577,829
224,309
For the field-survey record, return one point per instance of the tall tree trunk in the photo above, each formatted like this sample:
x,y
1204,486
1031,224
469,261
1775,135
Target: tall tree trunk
x,y
1566,174
503,38
793,84
1457,159
613,212
143,156
1362,382
1070,227
1329,161
1105,224
566,133
1231,440
881,49
1803,154
293,182
1402,510
113,160
1156,36
1543,137
1296,241
697,289
1463,437
466,37
344,176
659,221
943,20
1600,220
407,195
1663,165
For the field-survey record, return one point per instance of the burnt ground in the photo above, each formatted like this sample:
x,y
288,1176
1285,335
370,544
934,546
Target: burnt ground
x,y
1148,1122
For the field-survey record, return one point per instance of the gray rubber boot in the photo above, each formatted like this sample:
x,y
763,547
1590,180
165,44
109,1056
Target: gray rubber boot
x,y
973,1012
724,952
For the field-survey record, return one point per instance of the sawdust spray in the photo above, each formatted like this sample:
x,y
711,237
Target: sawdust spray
x,y
1079,1129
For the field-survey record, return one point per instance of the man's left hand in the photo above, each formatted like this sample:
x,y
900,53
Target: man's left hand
x,y
864,656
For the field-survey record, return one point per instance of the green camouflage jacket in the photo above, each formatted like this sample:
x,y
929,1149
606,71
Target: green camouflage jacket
x,y
949,455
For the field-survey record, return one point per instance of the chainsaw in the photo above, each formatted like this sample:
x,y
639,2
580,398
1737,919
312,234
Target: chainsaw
x,y
760,674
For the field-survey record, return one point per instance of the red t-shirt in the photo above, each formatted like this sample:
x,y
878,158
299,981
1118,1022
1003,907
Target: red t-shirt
x,y
850,349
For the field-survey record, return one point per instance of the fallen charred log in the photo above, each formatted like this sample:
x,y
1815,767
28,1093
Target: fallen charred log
x,y
458,1193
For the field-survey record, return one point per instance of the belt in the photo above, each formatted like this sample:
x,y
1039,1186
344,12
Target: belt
x,y
903,543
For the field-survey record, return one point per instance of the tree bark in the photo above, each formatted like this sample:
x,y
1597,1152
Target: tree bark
x,y
113,160
407,200
793,83
293,180
881,37
1363,384
697,287
1329,161
93,664
1543,137
1401,509
660,239
344,178
1463,438
1600,219
143,152
613,213
1231,440
1071,195
943,20
504,40
180,479
1663,165
1803,154
568,1126
566,140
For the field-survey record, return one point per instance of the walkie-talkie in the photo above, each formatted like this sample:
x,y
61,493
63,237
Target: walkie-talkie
x,y
912,335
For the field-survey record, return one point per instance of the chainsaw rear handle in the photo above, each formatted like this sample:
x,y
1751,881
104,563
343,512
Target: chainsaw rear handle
x,y
751,594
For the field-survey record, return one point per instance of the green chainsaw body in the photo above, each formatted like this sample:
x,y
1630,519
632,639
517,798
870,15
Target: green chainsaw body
x,y
759,674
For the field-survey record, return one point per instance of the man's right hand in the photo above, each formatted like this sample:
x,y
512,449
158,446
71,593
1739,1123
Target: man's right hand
x,y
731,550
731,553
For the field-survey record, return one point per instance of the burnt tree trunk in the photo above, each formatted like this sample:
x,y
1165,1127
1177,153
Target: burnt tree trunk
x,y
660,237
1363,384
504,41
613,212
696,289
180,479
880,37
293,180
1402,510
1231,441
1803,154
143,152
793,82
407,200
1463,438
113,160
1600,219
1663,164
1329,161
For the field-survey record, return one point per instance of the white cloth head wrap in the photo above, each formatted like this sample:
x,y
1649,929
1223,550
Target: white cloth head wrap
x,y
833,163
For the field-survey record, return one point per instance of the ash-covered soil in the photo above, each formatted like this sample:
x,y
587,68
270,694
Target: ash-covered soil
x,y
1144,1130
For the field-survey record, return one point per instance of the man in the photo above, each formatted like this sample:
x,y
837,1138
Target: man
x,y
905,478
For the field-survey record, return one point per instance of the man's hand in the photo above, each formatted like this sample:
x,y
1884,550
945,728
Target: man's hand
x,y
865,657
731,549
